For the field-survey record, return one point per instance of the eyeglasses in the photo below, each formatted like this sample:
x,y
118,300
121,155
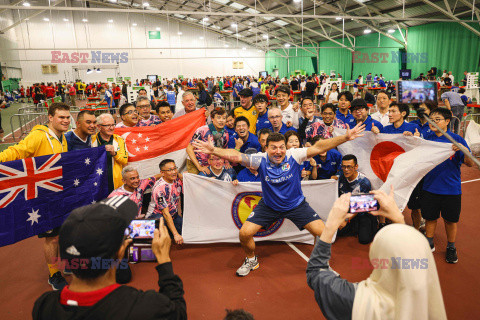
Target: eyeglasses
x,y
170,170
274,117
437,120
130,112
108,125
347,167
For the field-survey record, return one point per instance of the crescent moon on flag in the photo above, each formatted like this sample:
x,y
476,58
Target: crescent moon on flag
x,y
124,136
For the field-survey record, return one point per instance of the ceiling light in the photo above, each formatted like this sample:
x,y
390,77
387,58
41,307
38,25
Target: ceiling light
x,y
226,46
287,45
46,19
338,18
367,31
201,38
26,4
89,71
146,4
134,24
244,48
85,20
205,19
391,30
114,1
234,25
157,28
65,19
179,33
265,36
297,0
98,70
111,21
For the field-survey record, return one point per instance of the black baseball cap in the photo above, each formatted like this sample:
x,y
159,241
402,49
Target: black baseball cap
x,y
96,230
358,103
247,92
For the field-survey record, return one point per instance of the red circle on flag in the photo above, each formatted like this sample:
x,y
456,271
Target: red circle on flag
x,y
382,157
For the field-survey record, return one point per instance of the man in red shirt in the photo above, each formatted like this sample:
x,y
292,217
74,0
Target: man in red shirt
x,y
72,92
50,91
117,92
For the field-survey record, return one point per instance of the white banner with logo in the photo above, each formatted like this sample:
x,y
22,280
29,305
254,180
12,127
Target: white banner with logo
x,y
215,210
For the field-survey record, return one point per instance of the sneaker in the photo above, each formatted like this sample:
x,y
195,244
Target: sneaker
x,y
451,256
67,271
432,247
247,266
57,281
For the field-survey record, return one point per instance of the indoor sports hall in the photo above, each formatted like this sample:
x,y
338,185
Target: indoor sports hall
x,y
236,159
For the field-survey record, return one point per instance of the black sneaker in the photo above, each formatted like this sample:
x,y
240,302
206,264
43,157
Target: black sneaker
x,y
57,281
451,256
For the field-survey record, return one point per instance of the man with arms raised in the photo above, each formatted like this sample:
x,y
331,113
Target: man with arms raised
x,y
279,172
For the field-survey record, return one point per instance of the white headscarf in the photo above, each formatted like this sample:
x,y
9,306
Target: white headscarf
x,y
401,291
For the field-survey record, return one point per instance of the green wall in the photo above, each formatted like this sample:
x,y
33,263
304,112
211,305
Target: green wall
x,y
299,59
443,45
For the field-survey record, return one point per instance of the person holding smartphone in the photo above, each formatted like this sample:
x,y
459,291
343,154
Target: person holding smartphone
x,y
404,282
94,236
364,225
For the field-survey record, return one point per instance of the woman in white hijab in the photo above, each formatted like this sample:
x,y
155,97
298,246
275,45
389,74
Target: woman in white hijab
x,y
404,284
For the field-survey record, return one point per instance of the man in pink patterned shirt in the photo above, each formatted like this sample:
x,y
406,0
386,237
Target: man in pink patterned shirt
x,y
134,188
325,127
165,201
129,115
144,108
215,131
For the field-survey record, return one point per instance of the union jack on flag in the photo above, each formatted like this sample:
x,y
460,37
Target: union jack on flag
x,y
37,194
30,178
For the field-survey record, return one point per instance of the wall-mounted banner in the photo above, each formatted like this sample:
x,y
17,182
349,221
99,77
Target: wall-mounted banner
x,y
154,35
89,57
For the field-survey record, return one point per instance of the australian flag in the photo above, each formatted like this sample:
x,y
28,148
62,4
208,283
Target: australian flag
x,y
37,194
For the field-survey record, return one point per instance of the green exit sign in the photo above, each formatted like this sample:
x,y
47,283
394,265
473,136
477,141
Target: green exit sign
x,y
154,35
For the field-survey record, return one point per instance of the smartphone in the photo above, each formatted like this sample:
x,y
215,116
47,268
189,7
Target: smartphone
x,y
141,229
363,202
416,91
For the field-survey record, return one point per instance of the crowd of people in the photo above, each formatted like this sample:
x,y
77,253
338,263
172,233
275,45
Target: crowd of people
x,y
278,146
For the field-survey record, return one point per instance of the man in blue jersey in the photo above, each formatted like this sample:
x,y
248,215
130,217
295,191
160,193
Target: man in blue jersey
x,y
260,101
81,136
345,99
442,189
360,113
276,121
108,98
280,174
397,113
424,108
328,163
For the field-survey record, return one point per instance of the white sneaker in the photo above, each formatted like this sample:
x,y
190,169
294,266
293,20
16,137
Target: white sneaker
x,y
247,266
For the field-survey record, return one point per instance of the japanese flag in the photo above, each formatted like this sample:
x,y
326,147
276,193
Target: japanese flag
x,y
393,159
148,146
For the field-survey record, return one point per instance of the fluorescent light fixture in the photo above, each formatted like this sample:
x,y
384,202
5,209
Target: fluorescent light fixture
x,y
181,16
111,21
98,70
338,18
281,23
65,19
222,1
214,26
26,4
391,30
201,38
46,19
367,31
234,25
244,48
206,19
157,28
180,33
85,20
113,1
251,10
287,45
228,31
237,5
268,18
265,36
134,24
146,4
191,19
297,1
89,71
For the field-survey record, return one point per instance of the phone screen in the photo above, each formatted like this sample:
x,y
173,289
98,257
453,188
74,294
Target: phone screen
x,y
363,203
141,229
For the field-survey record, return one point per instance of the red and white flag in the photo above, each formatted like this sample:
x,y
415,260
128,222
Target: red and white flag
x,y
148,146
393,159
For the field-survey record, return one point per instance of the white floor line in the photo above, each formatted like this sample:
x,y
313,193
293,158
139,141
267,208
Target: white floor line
x,y
470,180
300,253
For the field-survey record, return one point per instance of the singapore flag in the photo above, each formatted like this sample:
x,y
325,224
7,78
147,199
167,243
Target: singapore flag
x,y
393,159
148,146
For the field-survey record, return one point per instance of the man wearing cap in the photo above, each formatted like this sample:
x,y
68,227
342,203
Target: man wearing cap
x,y
360,113
289,111
92,242
246,108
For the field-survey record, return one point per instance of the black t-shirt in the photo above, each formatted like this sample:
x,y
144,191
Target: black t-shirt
x,y
294,84
448,81
310,88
